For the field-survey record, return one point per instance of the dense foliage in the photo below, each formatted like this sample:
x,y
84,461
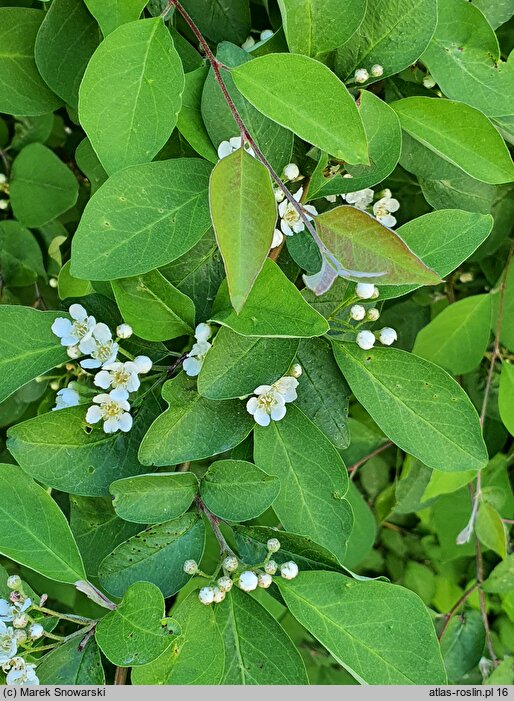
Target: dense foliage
x,y
256,342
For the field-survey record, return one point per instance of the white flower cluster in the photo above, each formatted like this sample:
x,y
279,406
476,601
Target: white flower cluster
x,y
196,356
250,42
383,208
367,339
22,631
84,336
247,579
233,144
290,220
269,402
361,75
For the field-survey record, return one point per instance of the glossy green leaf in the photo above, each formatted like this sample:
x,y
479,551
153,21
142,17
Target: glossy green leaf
x,y
157,210
154,498
362,537
193,427
58,449
133,633
28,347
496,12
70,665
155,309
360,242
34,531
328,119
190,122
490,529
226,20
393,34
313,480
458,133
506,393
155,555
196,656
458,337
88,162
257,648
462,644
244,212
65,42
379,632
70,286
236,490
42,187
501,579
22,261
308,30
417,405
130,95
285,314
236,365
110,14
22,89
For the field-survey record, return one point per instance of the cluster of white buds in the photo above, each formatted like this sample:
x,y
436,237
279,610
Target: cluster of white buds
x,y
232,145
22,631
366,339
82,335
382,209
269,402
196,356
4,189
361,75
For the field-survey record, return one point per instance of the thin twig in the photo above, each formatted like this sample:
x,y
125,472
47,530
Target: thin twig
x,y
214,521
353,468
120,676
171,369
455,608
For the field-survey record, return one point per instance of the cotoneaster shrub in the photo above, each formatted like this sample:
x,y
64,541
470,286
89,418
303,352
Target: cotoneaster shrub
x,y
256,342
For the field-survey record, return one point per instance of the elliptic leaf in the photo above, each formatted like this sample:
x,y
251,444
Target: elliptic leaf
x,y
228,20
70,665
506,393
110,14
22,260
190,123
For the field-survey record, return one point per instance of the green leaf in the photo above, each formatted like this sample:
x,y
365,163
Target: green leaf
x,y
236,365
496,12
257,648
28,347
417,405
19,28
155,309
41,187
501,579
155,555
458,337
154,498
196,656
88,162
244,212
313,480
443,240
190,123
462,644
314,27
22,261
34,531
171,202
57,449
328,119
506,392
236,490
393,34
133,633
379,632
360,242
284,314
65,42
110,14
490,529
68,664
458,133
131,94
323,394
362,537
464,59
226,20
193,428
70,286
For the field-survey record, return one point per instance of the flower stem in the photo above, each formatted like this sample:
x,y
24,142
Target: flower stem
x,y
79,620
215,521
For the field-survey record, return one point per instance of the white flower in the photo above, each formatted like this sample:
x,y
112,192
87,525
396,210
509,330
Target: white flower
x,y
230,563
72,332
203,332
206,595
286,386
360,198
373,314
290,221
270,567
268,404
278,237
428,82
8,643
225,583
65,398
248,581
265,581
143,364
219,595
36,631
289,570
195,358
190,567
291,171
365,290
248,43
118,376
382,210
366,340
387,336
22,674
233,144
266,34
377,70
361,75
124,331
100,346
112,410
273,545
357,312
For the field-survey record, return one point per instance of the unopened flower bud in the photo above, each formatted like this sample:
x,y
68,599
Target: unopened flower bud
x,y
365,290
387,336
225,583
279,195
73,352
273,545
366,340
230,563
296,370
289,570
4,204
357,312
53,282
248,581
248,43
428,82
20,621
54,385
206,595
190,567
124,331
266,34
20,636
219,595
291,171
14,582
265,581
3,178
373,314
361,75
377,70
143,364
270,567
36,631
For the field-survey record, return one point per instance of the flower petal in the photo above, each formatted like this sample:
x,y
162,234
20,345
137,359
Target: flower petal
x,y
93,415
61,326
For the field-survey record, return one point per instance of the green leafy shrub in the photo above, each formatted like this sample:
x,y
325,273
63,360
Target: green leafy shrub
x,y
256,342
